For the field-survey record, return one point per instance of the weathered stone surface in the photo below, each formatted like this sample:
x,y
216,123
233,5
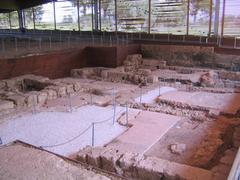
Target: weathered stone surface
x,y
6,105
51,94
152,79
137,166
18,100
177,148
155,168
42,97
209,79
59,88
23,162
2,84
31,99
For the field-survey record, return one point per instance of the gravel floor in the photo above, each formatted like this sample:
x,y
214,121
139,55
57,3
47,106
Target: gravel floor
x,y
150,96
56,128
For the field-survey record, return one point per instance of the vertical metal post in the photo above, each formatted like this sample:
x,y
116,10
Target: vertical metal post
x,y
34,105
210,18
110,41
216,20
92,2
68,42
50,42
116,13
159,90
93,134
223,17
140,94
78,14
188,7
9,19
91,99
70,102
54,15
149,16
235,43
3,45
40,43
114,106
34,20
16,44
126,114
100,14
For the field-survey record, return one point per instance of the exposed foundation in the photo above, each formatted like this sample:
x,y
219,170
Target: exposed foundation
x,y
176,122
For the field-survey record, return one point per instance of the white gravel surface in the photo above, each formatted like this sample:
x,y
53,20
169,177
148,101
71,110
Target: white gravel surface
x,y
54,128
150,96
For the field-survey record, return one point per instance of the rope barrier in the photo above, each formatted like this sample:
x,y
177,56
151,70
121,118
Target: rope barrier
x,y
83,132
68,141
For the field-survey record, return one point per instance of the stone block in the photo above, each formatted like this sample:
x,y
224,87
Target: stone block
x,y
2,85
42,97
152,79
60,89
6,105
18,100
31,99
51,94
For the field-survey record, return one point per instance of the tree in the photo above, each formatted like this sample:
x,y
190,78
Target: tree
x,y
67,19
4,21
197,6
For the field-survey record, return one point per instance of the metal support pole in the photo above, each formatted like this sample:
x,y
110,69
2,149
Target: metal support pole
x,y
141,95
78,14
34,105
149,16
210,18
223,17
216,20
235,43
16,44
126,114
159,90
68,42
114,106
34,20
116,24
70,103
93,134
54,15
91,99
50,42
110,41
9,20
3,45
188,10
40,43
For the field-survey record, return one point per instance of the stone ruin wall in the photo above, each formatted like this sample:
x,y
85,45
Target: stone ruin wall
x,y
191,56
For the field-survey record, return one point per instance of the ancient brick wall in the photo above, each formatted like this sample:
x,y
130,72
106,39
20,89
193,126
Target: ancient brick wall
x,y
53,65
59,64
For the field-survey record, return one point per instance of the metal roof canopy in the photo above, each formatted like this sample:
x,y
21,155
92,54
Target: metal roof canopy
x,y
13,5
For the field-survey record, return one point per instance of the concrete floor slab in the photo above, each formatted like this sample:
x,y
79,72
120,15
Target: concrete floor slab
x,y
147,128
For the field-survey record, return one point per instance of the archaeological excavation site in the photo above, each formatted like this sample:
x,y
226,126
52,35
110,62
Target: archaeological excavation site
x,y
120,90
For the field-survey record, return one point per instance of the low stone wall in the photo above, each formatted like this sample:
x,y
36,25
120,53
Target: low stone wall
x,y
139,166
179,55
